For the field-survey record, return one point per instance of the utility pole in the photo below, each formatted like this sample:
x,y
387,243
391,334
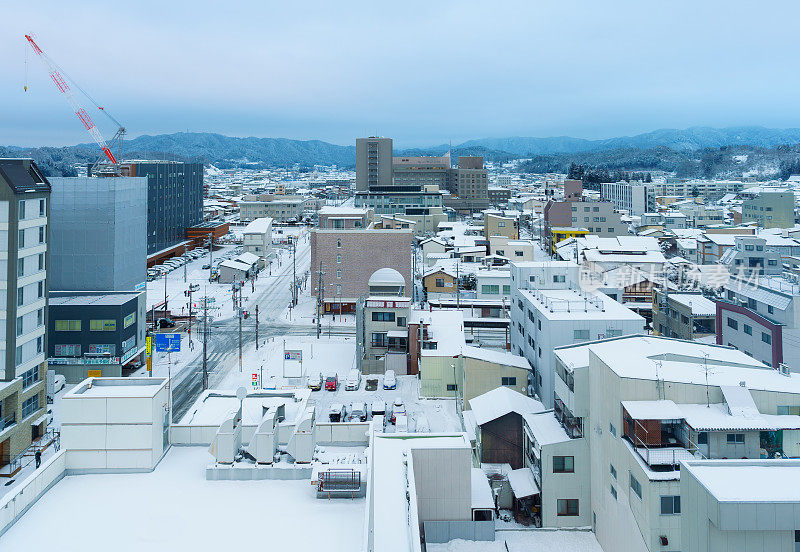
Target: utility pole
x,y
320,293
458,292
165,294
240,338
294,271
210,257
414,271
256,327
185,263
205,341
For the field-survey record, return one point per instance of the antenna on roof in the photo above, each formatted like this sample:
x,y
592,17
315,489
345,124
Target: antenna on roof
x,y
705,365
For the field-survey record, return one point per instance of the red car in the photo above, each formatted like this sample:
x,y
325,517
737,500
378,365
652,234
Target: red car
x,y
331,383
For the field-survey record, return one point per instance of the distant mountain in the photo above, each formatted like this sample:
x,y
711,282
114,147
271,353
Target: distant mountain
x,y
680,140
227,151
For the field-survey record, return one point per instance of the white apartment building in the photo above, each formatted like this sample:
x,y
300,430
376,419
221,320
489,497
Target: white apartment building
x,y
698,188
644,405
634,197
493,284
543,318
257,238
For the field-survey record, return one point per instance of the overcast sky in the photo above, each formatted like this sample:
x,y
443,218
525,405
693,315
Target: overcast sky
x,y
423,72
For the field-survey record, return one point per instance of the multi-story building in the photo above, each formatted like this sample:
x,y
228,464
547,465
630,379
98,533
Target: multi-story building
x,y
279,208
94,334
499,225
498,196
493,284
646,404
761,317
174,198
554,313
373,162
383,334
711,247
700,215
99,233
697,188
636,198
751,255
416,173
348,258
257,238
683,315
770,209
469,185
24,259
513,250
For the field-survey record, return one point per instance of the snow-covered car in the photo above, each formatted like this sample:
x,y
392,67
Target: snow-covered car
x,y
336,412
315,381
358,412
353,380
398,409
389,380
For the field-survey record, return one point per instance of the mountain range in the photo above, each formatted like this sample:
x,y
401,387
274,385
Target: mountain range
x,y
227,151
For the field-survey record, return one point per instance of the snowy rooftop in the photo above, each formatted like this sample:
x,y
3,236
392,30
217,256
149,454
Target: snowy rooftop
x,y
178,509
258,226
213,406
497,357
701,306
571,304
748,480
117,387
446,328
545,428
501,401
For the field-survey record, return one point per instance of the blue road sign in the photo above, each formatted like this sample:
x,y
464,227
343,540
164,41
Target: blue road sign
x,y
166,342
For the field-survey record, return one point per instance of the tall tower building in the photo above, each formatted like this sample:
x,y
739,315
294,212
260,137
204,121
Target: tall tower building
x,y
373,163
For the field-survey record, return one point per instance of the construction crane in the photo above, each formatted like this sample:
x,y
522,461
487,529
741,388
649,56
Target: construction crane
x,y
56,74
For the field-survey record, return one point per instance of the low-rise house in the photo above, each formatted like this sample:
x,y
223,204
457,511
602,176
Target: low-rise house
x,y
684,315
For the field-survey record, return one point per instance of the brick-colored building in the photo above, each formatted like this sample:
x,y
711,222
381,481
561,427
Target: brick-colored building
x,y
348,257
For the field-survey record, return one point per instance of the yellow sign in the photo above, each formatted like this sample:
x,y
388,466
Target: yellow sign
x,y
94,373
149,346
149,364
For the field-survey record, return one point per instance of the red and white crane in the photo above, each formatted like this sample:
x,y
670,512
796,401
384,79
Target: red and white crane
x,y
63,87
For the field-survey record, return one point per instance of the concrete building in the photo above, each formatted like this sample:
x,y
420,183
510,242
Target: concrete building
x,y
761,317
712,246
770,209
257,238
498,196
739,505
416,173
279,208
555,314
697,188
99,233
684,315
339,218
240,269
469,189
382,332
174,198
349,257
95,334
494,284
646,404
750,255
514,250
373,162
636,198
24,259
498,225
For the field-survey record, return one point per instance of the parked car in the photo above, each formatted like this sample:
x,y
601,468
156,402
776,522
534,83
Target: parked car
x,y
315,381
398,409
401,423
332,383
372,383
378,408
358,411
336,412
165,323
353,380
389,380
207,266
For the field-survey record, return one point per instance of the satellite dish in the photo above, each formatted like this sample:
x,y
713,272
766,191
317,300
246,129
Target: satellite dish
x,y
241,393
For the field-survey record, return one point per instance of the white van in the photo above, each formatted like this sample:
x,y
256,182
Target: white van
x,y
353,381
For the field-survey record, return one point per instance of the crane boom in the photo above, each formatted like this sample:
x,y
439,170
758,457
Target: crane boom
x,y
64,88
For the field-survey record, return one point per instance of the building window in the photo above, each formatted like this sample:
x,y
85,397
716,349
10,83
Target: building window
x,y
29,406
613,333
19,326
39,317
490,289
20,296
578,335
733,324
439,282
22,210
452,387
559,279
339,244
702,438
379,340
339,273
670,505
40,289
748,329
30,377
338,289
508,382
21,239
338,258
567,507
102,325
770,309
41,261
20,268
41,234
636,487
735,438
613,492
613,471
383,317
401,321
563,464
68,325
752,304
766,338
41,208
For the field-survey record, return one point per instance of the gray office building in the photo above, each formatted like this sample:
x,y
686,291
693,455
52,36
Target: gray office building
x,y
373,162
174,199
99,233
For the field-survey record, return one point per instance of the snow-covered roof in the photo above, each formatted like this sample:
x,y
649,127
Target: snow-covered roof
x,y
569,304
235,265
247,258
522,483
652,410
258,226
436,269
545,428
748,480
501,401
497,357
700,306
482,498
342,210
717,417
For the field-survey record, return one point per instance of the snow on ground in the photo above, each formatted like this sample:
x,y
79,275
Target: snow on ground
x,y
176,508
538,540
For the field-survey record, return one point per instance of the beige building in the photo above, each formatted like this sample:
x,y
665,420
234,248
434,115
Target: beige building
x,y
280,208
498,225
439,280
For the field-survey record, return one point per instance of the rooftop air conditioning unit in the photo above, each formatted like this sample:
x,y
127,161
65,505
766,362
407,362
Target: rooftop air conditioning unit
x,y
784,370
